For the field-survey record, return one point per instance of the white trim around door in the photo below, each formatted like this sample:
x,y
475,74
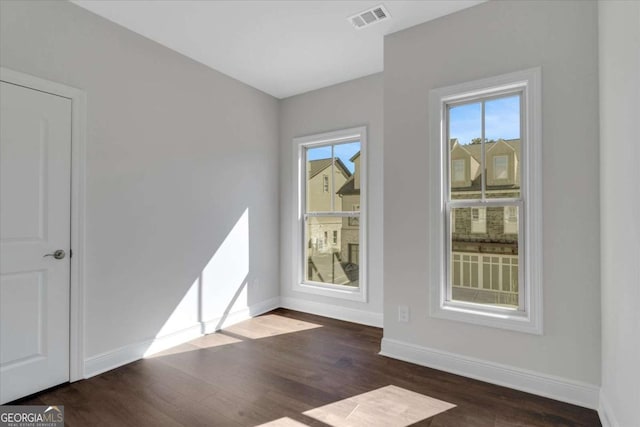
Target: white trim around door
x,y
78,144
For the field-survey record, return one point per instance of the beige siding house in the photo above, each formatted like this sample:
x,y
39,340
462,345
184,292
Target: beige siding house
x,y
323,233
350,239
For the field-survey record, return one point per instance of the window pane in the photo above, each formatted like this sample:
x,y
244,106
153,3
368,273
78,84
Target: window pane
x,y
349,155
319,172
333,260
348,190
465,131
484,265
502,133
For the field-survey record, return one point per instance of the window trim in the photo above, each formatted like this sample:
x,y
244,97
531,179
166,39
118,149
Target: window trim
x,y
529,320
299,189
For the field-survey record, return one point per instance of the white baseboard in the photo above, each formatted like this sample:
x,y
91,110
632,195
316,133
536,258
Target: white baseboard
x,y
607,418
333,311
109,360
557,388
96,365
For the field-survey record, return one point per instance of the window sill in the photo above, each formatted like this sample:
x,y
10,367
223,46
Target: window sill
x,y
492,317
332,291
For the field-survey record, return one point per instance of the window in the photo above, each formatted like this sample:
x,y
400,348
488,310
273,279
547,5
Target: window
x,y
354,221
500,167
354,253
457,174
478,220
331,210
485,245
510,219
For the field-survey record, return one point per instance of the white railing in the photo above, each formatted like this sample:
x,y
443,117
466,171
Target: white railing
x,y
485,272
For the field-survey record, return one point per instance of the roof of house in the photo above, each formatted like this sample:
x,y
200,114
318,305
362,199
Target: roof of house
x,y
475,149
349,188
317,166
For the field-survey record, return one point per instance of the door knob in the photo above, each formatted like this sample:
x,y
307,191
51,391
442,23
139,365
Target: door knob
x,y
59,254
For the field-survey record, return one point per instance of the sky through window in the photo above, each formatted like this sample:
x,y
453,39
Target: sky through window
x,y
342,151
502,120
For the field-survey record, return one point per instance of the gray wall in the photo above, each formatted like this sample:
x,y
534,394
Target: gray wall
x,y
619,34
487,40
176,154
355,103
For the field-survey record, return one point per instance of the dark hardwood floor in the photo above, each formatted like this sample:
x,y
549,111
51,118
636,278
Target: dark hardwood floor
x,y
281,365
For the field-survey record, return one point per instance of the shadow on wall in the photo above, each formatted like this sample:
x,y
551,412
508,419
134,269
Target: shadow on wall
x,y
217,297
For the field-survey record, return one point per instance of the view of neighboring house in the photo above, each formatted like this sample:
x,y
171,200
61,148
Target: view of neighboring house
x,y
323,232
484,241
350,231
333,242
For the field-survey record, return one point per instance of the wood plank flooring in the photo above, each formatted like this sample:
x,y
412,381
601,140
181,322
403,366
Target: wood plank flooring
x,y
273,369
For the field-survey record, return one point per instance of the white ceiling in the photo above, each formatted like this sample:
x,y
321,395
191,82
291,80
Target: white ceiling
x,y
280,47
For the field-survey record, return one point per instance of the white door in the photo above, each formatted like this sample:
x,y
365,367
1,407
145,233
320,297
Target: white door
x,y
35,196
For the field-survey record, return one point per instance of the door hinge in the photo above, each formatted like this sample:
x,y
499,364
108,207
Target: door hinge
x,y
70,253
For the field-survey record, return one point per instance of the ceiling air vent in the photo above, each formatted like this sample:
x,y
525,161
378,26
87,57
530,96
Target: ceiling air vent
x,y
369,17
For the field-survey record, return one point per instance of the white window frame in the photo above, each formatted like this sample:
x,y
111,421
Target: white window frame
x,y
299,197
529,317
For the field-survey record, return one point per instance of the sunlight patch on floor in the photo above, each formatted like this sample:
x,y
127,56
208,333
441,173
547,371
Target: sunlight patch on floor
x,y
204,342
389,406
214,340
269,325
283,422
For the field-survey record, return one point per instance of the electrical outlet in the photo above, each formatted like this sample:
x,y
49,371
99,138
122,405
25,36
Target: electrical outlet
x,y
403,313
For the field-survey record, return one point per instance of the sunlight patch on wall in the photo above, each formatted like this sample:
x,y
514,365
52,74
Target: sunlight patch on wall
x,y
224,278
220,290
185,313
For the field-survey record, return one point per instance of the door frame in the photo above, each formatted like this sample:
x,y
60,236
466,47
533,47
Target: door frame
x,y
78,184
